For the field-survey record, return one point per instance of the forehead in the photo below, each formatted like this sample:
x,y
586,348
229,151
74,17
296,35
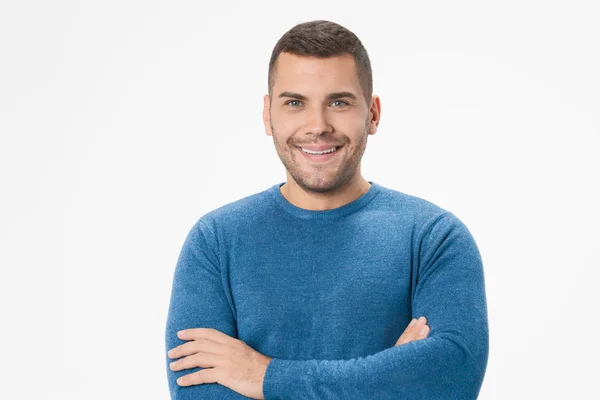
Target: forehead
x,y
302,73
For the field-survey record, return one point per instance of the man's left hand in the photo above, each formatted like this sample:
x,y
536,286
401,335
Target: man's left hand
x,y
227,361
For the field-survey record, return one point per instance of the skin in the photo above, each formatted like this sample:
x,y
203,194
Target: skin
x,y
301,112
232,363
314,119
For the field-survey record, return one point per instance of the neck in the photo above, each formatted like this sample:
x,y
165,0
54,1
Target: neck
x,y
319,201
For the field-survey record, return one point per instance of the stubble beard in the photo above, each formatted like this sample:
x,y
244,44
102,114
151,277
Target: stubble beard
x,y
321,178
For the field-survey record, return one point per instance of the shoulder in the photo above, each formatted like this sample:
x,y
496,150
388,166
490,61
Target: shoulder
x,y
236,213
398,203
426,217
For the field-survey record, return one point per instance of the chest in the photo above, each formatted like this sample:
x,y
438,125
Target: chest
x,y
309,294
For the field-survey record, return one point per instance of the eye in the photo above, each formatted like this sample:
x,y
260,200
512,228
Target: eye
x,y
289,102
340,101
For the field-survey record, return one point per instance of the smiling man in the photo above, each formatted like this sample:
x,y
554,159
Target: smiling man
x,y
311,289
322,127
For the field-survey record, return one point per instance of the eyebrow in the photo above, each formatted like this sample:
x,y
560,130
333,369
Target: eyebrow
x,y
330,96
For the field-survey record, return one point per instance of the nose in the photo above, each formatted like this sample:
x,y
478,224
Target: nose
x,y
317,122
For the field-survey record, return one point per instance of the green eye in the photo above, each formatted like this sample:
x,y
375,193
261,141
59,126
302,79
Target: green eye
x,y
292,101
340,101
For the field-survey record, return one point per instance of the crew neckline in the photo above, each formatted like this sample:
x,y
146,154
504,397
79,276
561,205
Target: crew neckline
x,y
276,195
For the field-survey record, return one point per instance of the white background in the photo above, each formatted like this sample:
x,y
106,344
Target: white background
x,y
122,122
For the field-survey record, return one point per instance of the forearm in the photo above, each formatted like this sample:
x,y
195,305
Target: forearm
x,y
433,368
198,299
450,364
207,391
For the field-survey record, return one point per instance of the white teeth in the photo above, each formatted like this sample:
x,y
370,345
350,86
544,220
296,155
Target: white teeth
x,y
318,152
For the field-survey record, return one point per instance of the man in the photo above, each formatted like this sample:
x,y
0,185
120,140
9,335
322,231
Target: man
x,y
301,291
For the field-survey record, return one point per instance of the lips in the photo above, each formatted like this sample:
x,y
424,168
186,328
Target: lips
x,y
319,147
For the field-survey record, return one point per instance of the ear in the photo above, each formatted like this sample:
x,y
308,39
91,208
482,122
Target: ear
x,y
375,114
266,114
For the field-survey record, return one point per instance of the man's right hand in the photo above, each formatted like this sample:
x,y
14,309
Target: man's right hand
x,y
416,330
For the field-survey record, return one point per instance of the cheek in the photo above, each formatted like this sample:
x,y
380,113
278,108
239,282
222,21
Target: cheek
x,y
284,126
290,125
348,123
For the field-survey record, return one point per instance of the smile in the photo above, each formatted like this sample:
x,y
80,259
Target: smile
x,y
321,156
307,151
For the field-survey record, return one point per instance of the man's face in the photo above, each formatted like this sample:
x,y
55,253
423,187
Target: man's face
x,y
318,104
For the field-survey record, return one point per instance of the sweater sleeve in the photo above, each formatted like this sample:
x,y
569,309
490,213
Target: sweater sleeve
x,y
449,364
198,300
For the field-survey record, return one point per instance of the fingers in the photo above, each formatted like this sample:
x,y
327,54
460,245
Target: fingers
x,y
404,337
204,333
423,332
416,330
194,346
202,360
209,375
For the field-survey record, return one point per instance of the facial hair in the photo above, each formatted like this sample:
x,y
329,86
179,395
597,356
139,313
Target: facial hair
x,y
328,177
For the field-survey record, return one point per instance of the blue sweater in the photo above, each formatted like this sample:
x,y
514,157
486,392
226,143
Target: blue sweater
x,y
328,293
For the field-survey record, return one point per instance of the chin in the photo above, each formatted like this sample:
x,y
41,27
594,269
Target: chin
x,y
318,185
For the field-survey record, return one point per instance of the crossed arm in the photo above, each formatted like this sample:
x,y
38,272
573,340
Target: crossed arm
x,y
448,364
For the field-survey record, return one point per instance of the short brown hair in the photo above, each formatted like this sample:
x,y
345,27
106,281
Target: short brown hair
x,y
324,39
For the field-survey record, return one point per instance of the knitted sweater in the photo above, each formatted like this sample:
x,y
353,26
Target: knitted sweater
x,y
328,293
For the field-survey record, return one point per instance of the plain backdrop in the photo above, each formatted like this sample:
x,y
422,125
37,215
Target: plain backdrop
x,y
123,122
